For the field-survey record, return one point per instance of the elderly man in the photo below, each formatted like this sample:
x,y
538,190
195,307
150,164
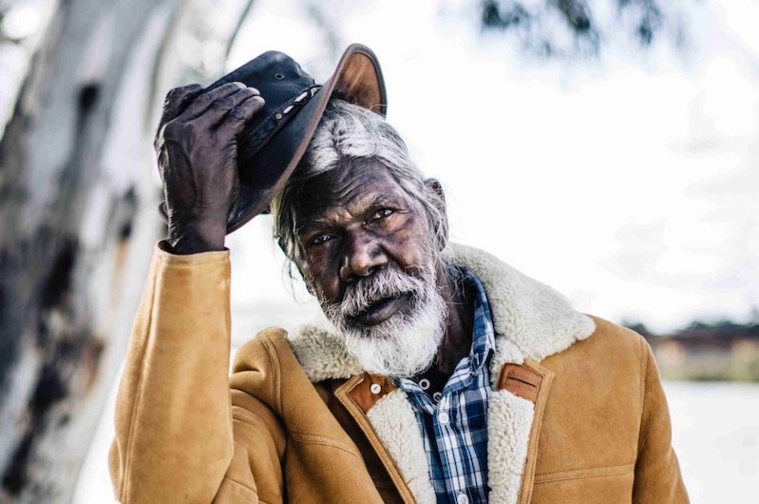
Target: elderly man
x,y
440,374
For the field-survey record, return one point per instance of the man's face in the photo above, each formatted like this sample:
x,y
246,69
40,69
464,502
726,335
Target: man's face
x,y
369,256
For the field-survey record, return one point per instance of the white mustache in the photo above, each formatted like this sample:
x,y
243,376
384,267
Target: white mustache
x,y
385,283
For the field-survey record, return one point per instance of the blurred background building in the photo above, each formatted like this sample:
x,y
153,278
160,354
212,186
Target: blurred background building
x,y
606,147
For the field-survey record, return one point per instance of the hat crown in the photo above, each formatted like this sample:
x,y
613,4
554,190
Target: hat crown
x,y
276,75
280,80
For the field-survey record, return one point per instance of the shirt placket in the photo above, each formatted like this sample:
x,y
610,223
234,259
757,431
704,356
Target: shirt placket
x,y
457,471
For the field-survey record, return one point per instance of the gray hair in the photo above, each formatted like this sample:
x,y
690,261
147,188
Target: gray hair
x,y
347,133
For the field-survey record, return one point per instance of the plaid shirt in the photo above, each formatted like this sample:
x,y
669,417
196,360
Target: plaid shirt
x,y
454,423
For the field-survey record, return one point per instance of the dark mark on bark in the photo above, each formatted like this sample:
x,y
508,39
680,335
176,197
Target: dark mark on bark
x,y
69,351
58,282
88,97
69,371
129,204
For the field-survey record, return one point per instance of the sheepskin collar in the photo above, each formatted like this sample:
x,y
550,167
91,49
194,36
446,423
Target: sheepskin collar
x,y
531,321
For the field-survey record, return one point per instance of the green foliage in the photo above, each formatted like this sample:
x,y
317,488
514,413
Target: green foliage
x,y
637,326
723,323
570,28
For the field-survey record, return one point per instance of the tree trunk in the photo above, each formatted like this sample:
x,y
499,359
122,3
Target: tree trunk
x,y
77,223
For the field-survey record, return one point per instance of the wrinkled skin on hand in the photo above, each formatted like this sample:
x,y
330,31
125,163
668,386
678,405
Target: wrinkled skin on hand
x,y
196,145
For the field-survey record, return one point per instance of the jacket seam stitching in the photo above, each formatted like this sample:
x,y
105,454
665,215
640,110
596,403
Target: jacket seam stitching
x,y
242,485
305,436
275,386
521,385
644,420
299,437
527,480
599,469
620,472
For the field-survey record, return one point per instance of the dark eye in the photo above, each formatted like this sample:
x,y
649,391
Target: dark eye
x,y
320,238
381,214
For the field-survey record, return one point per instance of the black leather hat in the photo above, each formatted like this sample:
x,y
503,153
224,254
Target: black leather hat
x,y
273,142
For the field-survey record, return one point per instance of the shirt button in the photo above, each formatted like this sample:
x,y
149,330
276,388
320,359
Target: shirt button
x,y
376,388
443,419
462,499
424,383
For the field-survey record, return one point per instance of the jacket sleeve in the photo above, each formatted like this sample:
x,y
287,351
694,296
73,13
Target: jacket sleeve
x,y
657,472
181,435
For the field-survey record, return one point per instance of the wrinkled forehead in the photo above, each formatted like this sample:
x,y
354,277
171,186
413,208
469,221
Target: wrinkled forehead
x,y
351,185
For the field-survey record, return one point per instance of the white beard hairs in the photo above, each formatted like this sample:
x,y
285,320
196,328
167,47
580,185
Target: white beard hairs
x,y
405,344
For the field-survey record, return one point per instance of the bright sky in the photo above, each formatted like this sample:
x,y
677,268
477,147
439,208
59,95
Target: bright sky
x,y
625,183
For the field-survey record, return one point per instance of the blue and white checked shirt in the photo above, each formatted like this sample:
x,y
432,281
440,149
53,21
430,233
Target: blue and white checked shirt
x,y
454,424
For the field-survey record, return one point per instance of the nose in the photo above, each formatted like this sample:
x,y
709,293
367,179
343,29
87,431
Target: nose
x,y
362,257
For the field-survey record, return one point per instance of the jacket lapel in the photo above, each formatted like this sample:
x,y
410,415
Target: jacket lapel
x,y
515,413
386,416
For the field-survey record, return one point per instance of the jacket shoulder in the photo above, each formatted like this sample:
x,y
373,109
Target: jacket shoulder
x,y
611,354
608,334
255,354
267,369
593,414
257,367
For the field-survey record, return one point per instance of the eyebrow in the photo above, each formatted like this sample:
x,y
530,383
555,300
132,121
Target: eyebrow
x,y
320,221
311,225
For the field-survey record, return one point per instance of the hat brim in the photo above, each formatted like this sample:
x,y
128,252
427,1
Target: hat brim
x,y
356,79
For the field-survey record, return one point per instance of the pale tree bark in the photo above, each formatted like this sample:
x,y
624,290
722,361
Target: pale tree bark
x,y
77,223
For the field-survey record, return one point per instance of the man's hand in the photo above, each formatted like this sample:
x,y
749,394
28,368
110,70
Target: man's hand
x,y
196,145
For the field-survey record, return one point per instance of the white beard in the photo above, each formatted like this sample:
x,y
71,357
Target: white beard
x,y
406,343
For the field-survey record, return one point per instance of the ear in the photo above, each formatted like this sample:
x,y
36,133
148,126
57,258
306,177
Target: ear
x,y
303,275
434,185
435,188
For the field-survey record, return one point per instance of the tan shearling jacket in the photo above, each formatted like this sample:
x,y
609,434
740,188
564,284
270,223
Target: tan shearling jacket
x,y
576,415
